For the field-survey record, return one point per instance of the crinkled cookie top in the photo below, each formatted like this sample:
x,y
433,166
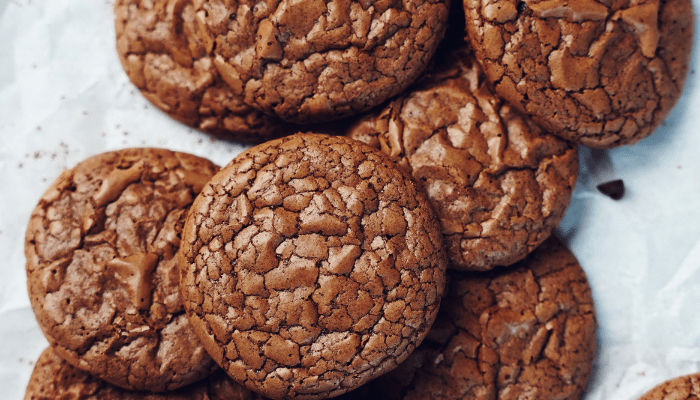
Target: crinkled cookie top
x,y
54,378
603,74
681,388
498,183
161,52
101,269
311,264
525,332
315,60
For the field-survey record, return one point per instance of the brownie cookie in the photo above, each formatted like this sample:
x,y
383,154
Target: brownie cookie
x,y
310,265
54,378
526,332
603,74
101,268
314,60
161,53
498,183
681,388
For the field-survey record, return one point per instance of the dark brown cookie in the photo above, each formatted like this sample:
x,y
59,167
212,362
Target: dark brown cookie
x,y
101,268
526,332
311,264
603,74
161,53
498,183
313,60
681,388
54,378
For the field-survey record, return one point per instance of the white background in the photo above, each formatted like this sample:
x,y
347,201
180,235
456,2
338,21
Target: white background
x,y
64,97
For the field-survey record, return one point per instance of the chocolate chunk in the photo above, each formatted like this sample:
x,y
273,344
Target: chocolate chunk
x,y
613,189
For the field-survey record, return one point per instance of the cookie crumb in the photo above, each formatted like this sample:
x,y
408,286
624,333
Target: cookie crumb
x,y
25,361
613,189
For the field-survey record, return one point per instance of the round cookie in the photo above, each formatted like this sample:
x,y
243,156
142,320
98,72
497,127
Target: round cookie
x,y
54,378
525,332
160,51
498,183
102,275
312,60
682,388
310,265
600,73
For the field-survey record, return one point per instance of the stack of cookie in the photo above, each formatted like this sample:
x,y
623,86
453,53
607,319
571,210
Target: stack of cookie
x,y
311,266
307,267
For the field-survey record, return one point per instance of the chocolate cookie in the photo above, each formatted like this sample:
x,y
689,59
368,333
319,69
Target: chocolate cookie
x,y
101,268
54,378
313,60
311,264
681,388
526,332
498,183
603,74
161,53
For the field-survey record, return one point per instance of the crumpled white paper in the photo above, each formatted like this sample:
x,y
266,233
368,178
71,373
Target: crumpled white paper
x,y
64,97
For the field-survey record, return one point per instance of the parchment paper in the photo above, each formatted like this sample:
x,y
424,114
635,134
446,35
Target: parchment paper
x,y
64,97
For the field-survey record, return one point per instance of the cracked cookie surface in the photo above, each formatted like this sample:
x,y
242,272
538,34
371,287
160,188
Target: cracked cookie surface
x,y
310,265
498,183
603,74
160,50
102,275
681,388
526,332
54,378
315,60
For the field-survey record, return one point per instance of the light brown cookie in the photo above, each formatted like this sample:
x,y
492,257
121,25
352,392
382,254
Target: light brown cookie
x,y
681,388
498,183
53,378
603,74
161,53
101,269
310,265
310,61
526,332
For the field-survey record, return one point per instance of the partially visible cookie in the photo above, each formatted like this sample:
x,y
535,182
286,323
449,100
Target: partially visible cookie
x,y
310,265
314,60
600,73
526,332
498,183
159,47
681,388
101,269
53,378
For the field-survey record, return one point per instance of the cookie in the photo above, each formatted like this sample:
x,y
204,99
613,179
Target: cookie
x,y
160,51
526,332
54,378
101,269
311,264
603,74
311,60
681,388
498,183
